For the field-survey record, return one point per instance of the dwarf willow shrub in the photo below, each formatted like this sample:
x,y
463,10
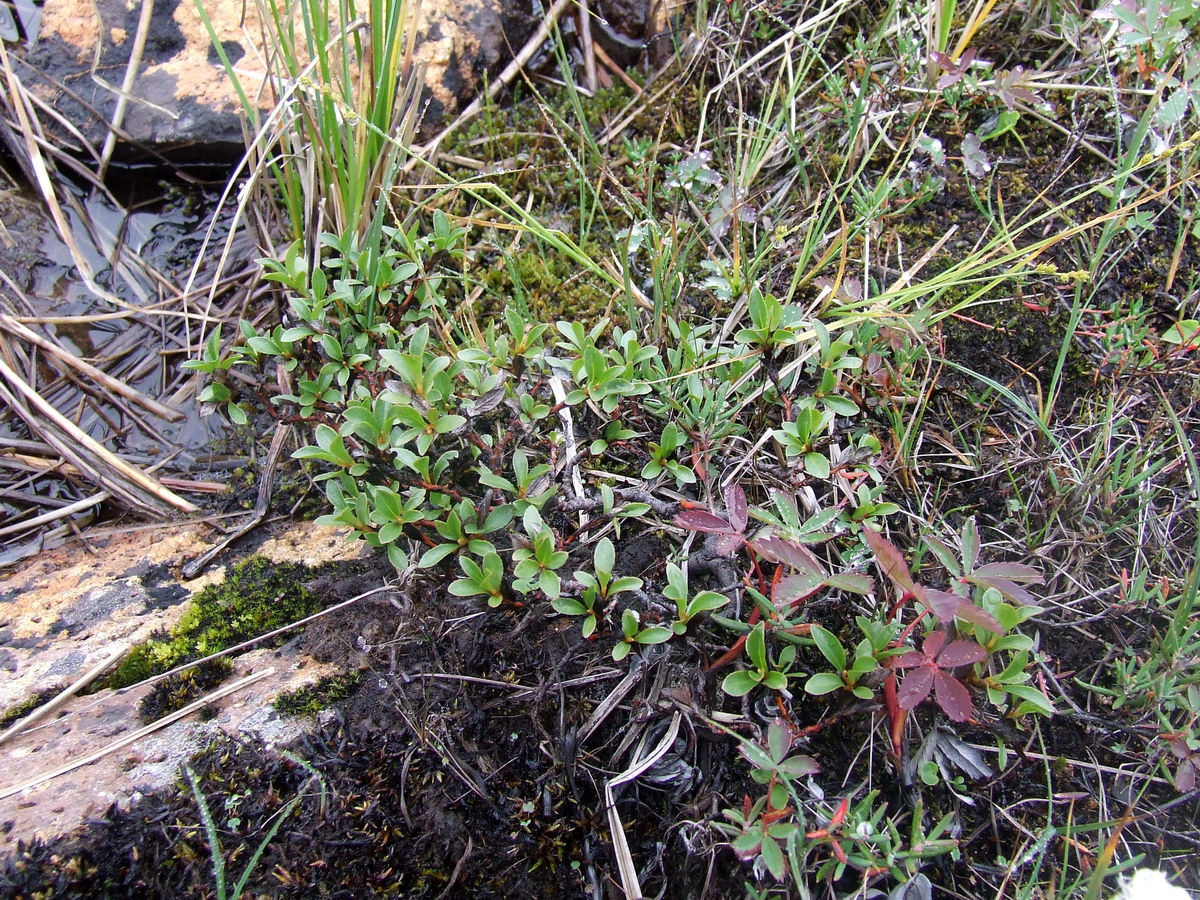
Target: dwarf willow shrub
x,y
435,438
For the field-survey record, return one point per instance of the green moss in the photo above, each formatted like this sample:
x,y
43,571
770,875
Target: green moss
x,y
307,701
28,705
257,596
548,285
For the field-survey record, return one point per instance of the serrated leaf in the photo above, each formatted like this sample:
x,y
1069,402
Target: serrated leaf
x,y
945,555
915,687
1021,574
977,615
736,507
773,858
1008,589
943,604
726,544
855,584
799,766
779,740
952,697
798,587
909,659
961,653
970,544
756,756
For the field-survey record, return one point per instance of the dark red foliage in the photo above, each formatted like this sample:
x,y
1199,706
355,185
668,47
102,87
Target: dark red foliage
x,y
930,672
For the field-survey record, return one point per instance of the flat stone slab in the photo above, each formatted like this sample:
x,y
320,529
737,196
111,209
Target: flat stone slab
x,y
66,610
183,98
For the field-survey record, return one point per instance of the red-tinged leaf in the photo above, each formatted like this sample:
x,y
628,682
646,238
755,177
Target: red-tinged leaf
x,y
934,643
943,604
891,561
799,766
942,59
909,659
789,553
1008,589
915,687
896,715
1012,571
839,814
953,697
855,584
961,653
797,587
735,507
727,544
699,520
1185,776
968,612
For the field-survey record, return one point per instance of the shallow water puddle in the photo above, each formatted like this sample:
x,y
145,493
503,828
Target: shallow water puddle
x,y
141,243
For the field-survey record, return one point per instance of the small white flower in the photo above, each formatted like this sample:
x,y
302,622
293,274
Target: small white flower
x,y
1150,884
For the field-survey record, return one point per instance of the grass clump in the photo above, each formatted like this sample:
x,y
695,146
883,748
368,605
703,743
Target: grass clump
x,y
256,596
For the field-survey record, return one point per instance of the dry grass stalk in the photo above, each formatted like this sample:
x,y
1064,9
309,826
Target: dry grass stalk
x,y
130,485
137,735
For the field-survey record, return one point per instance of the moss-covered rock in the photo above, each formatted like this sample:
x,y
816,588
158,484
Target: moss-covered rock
x,y
256,597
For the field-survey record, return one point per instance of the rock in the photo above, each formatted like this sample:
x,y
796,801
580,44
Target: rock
x,y
64,611
620,27
183,101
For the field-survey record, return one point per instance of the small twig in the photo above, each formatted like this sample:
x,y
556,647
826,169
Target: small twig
x,y
131,71
103,378
54,515
265,485
609,703
458,867
589,46
617,70
131,485
83,681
